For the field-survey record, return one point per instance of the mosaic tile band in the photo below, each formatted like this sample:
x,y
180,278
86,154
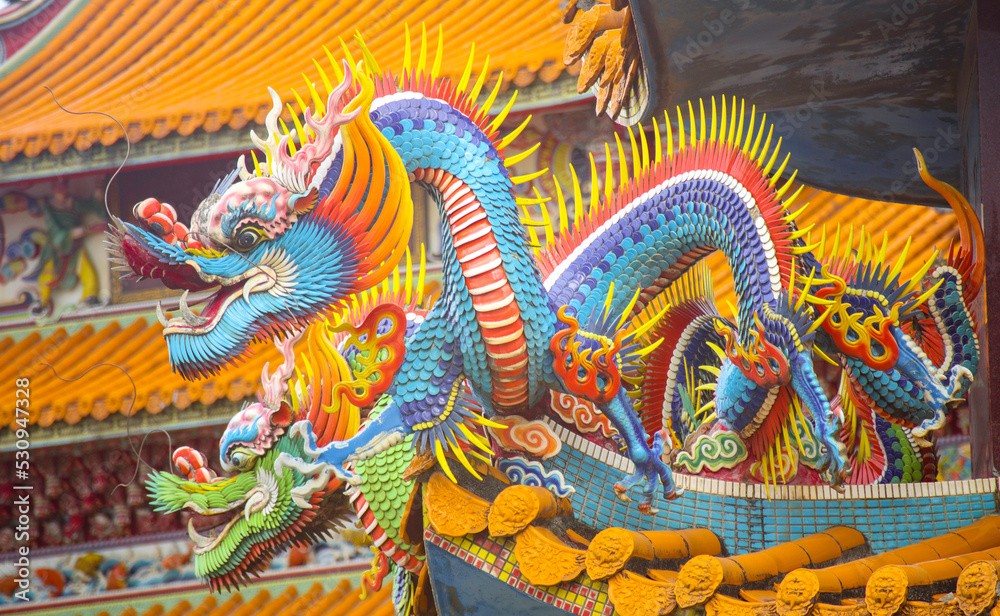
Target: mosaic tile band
x,y
747,520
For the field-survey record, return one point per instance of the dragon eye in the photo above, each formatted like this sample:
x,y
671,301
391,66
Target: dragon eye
x,y
248,238
241,460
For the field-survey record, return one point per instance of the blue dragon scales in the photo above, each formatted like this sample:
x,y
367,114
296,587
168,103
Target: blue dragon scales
x,y
328,214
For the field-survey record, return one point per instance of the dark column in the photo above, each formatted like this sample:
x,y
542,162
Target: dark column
x,y
979,104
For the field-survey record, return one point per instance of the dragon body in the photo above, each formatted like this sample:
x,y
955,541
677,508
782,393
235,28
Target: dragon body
x,y
293,239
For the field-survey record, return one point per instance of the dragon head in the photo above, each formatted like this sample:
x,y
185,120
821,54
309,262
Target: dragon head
x,y
774,351
276,495
283,243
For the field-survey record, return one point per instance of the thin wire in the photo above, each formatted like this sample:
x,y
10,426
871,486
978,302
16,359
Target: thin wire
x,y
128,417
128,145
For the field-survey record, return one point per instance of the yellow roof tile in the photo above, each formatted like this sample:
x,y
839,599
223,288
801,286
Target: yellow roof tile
x,y
162,67
138,348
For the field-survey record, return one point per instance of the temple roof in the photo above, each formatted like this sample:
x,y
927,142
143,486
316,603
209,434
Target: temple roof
x,y
165,67
657,571
138,348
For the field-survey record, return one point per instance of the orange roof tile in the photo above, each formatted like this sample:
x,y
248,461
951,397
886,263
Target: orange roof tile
x,y
138,348
161,67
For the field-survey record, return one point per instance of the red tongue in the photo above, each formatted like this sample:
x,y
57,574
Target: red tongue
x,y
208,522
145,263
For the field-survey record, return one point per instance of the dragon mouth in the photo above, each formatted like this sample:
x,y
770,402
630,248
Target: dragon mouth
x,y
216,522
255,280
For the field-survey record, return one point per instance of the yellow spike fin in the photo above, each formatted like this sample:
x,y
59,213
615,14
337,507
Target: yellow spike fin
x,y
723,117
366,53
256,163
406,47
760,133
609,179
395,281
577,196
701,128
715,123
645,149
746,142
636,157
467,71
347,53
627,313
680,130
457,449
691,123
850,242
438,54
670,135
896,269
658,153
503,114
291,141
824,356
774,157
300,132
337,71
645,327
485,110
731,136
521,179
420,277
927,294
408,284
318,107
474,438
532,235
622,168
781,169
794,235
324,78
718,351
816,325
801,250
514,133
531,200
561,201
546,220
480,81
767,145
516,158
607,299
422,58
795,195
791,179
739,128
882,250
594,187
443,461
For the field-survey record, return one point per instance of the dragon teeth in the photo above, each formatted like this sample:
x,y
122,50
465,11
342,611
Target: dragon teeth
x,y
161,316
199,540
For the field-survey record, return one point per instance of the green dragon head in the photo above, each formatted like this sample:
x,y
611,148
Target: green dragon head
x,y
276,495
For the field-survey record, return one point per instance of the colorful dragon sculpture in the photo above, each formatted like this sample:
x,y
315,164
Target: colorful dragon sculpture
x,y
328,215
